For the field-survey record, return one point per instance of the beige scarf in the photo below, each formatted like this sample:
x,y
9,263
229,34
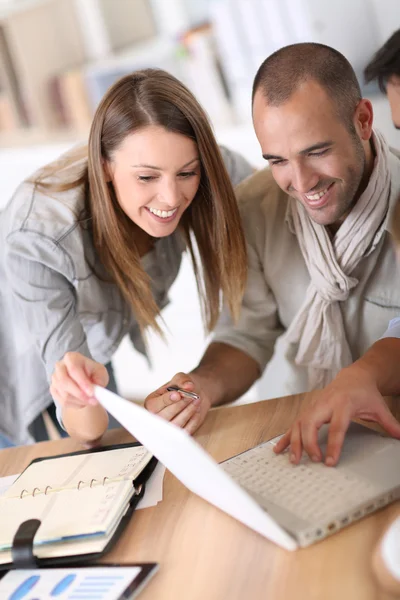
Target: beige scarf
x,y
316,337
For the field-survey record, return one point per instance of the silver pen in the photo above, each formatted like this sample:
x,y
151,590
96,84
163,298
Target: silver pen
x,y
175,388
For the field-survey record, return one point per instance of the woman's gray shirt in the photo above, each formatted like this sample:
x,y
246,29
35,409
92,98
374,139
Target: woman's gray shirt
x,y
52,301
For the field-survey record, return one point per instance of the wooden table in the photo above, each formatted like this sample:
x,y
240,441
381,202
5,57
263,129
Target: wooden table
x,y
205,554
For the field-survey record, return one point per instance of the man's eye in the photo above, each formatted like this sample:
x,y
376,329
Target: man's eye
x,y
319,153
186,174
277,162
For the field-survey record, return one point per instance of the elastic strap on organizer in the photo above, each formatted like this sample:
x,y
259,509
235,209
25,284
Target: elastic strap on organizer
x,y
22,546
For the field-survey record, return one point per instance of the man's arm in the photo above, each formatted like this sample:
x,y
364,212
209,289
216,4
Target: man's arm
x,y
381,364
356,392
225,373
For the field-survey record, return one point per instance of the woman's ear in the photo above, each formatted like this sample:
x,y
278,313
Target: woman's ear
x,y
107,170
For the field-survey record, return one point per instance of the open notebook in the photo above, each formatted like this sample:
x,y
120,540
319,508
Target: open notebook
x,y
79,498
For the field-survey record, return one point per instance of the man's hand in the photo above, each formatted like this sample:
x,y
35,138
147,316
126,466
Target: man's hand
x,y
353,394
180,410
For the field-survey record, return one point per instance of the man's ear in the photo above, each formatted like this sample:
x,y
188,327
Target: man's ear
x,y
363,118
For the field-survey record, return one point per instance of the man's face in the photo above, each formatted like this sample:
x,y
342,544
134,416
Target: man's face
x,y
393,94
313,156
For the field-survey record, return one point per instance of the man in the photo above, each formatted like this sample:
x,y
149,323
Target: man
x,y
359,389
322,273
385,68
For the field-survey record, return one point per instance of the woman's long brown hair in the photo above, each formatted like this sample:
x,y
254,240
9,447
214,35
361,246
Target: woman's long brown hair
x,y
154,97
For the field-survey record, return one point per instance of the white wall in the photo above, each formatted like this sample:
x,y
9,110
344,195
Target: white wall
x,y
387,18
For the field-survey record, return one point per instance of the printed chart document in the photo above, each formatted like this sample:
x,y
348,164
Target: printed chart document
x,y
91,583
187,460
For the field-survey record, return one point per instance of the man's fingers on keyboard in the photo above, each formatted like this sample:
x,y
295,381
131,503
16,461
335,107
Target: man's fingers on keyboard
x,y
310,428
283,443
309,435
336,435
296,447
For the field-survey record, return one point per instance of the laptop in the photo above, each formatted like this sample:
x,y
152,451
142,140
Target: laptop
x,y
291,505
310,500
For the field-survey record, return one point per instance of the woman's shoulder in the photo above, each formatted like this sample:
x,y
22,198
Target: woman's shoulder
x,y
237,166
44,205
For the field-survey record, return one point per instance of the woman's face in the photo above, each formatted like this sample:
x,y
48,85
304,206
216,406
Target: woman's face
x,y
155,174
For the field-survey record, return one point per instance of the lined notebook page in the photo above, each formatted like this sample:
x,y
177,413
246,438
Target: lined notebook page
x,y
68,514
66,472
79,545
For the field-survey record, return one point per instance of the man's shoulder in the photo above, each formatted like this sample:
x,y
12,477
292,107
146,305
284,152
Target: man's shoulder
x,y
260,195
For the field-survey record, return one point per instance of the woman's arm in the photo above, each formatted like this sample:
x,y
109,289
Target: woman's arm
x,y
72,387
39,274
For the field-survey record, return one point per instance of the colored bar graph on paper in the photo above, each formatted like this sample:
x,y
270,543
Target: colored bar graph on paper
x,y
91,583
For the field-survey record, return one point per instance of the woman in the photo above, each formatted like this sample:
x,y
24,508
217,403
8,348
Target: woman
x,y
93,242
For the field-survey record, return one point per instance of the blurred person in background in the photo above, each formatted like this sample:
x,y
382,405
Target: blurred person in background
x,y
322,271
93,242
385,69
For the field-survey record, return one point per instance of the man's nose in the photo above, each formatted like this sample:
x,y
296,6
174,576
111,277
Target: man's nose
x,y
303,179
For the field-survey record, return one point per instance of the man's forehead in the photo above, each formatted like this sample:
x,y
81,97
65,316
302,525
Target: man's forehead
x,y
308,95
299,122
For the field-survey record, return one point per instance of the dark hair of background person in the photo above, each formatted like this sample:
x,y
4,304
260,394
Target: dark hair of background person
x,y
385,63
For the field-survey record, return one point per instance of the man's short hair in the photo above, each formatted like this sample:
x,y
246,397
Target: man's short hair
x,y
385,63
281,74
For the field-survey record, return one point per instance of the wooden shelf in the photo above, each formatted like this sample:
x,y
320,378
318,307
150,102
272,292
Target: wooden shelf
x,y
40,41
33,136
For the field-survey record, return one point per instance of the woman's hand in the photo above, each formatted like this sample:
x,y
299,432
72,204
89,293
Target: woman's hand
x,y
72,387
173,406
73,380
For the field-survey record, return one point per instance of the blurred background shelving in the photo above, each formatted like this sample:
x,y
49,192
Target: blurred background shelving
x,y
58,57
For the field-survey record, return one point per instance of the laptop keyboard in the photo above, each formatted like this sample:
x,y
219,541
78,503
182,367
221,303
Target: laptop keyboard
x,y
309,490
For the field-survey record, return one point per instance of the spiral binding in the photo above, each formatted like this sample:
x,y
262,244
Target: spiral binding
x,y
93,483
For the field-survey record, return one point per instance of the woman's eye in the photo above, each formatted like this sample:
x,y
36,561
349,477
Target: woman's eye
x,y
186,174
146,177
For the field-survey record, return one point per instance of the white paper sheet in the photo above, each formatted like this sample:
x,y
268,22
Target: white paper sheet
x,y
6,482
154,488
187,460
